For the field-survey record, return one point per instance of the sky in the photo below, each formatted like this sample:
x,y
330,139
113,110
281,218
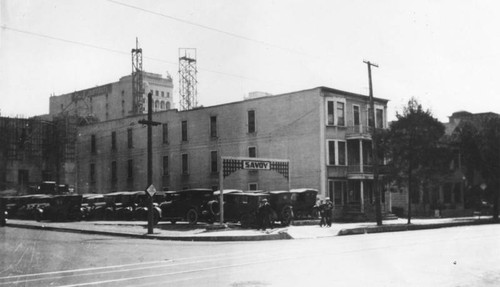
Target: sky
x,y
443,53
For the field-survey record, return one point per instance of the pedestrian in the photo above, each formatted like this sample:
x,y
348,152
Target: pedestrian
x,y
328,208
321,206
264,214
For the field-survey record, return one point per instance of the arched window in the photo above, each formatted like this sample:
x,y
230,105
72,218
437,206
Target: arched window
x,y
156,105
168,106
162,105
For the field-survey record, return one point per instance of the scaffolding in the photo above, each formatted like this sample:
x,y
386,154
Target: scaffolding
x,y
188,91
137,81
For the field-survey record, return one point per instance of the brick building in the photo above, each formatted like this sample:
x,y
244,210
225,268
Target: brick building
x,y
323,132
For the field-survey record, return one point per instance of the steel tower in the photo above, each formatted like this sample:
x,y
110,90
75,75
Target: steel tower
x,y
188,92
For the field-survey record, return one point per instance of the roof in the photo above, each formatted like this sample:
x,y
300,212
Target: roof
x,y
301,190
226,191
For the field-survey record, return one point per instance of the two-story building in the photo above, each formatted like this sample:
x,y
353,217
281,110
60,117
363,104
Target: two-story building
x,y
323,132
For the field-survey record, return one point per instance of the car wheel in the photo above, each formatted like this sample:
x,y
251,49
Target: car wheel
x,y
192,216
173,221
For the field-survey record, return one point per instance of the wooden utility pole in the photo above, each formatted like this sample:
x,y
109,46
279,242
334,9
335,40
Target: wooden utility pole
x,y
150,124
378,211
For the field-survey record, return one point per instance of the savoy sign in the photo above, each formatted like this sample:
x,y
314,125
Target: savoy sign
x,y
256,164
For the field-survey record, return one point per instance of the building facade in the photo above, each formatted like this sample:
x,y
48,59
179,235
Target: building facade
x,y
323,132
114,100
33,150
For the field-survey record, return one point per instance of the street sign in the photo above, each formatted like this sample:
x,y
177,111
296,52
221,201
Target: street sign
x,y
151,190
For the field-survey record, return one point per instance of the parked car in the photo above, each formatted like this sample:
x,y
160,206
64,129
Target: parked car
x,y
141,211
187,205
93,206
242,207
59,208
281,202
304,203
120,205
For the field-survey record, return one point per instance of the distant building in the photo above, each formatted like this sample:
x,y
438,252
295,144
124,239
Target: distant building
x,y
34,150
114,100
323,132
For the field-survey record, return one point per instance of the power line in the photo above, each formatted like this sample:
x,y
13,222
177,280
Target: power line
x,y
208,28
125,53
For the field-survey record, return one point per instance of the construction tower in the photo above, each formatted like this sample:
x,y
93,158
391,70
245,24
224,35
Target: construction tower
x,y
188,92
137,82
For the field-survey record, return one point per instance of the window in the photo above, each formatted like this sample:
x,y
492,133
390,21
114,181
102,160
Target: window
x,y
130,143
370,117
185,167
92,144
156,93
330,113
184,131
252,186
331,152
337,154
213,161
114,177
341,152
162,94
168,94
130,169
92,173
165,133
355,112
379,118
113,141
165,165
252,151
251,121
213,126
335,112
337,190
340,114
162,105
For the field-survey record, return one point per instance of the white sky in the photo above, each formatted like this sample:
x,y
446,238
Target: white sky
x,y
444,53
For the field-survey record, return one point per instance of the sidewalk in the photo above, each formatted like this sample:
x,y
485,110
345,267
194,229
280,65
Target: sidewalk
x,y
232,232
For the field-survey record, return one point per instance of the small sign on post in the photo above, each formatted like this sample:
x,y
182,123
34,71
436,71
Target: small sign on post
x,y
151,190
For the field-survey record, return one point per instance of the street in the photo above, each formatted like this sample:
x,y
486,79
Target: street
x,y
459,256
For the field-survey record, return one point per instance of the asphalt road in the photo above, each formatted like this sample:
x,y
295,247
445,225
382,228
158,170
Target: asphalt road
x,y
460,256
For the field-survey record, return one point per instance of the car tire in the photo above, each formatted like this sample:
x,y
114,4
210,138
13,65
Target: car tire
x,y
192,216
173,221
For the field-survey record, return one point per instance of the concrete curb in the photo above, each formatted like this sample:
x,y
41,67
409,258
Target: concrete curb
x,y
401,227
260,237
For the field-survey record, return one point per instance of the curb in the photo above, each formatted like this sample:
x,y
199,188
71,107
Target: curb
x,y
274,236
411,227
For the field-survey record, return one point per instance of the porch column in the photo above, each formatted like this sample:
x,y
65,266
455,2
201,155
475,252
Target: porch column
x,y
361,160
362,194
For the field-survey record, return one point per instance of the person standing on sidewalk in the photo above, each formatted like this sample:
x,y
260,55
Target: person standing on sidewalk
x,y
321,208
264,215
327,210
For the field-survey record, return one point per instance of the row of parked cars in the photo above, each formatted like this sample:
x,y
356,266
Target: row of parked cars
x,y
191,205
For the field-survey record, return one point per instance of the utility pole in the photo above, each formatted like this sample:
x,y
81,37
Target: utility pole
x,y
378,212
150,124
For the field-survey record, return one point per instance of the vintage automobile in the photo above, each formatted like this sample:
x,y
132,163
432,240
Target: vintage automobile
x,y
59,208
243,207
281,202
187,205
28,204
93,206
304,203
141,211
120,205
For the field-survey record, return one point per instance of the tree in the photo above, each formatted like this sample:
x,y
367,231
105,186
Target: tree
x,y
413,149
479,142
